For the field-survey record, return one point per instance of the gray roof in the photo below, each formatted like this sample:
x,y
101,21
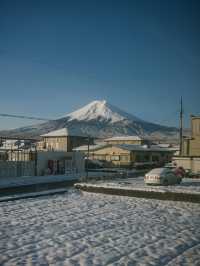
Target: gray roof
x,y
133,147
129,147
91,147
123,138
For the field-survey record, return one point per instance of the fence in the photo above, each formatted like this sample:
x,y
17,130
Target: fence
x,y
17,168
17,157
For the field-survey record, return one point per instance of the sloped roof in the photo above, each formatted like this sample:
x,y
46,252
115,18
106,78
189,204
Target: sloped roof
x,y
91,147
123,138
128,147
132,147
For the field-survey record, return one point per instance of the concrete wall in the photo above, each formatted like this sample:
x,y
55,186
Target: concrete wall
x,y
70,161
189,163
75,159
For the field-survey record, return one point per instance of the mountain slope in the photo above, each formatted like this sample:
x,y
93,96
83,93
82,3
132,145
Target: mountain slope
x,y
102,111
99,119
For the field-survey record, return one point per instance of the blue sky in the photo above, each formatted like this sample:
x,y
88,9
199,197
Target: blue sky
x,y
56,56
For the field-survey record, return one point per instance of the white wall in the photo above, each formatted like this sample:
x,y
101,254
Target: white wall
x,y
76,158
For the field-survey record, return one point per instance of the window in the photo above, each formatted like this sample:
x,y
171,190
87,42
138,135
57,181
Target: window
x,y
124,158
114,158
138,158
146,158
100,157
155,158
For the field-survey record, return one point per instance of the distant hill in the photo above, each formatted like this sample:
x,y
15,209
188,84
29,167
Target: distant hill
x,y
98,119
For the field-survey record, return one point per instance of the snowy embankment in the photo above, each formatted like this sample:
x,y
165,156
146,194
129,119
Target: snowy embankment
x,y
92,229
9,182
188,190
34,184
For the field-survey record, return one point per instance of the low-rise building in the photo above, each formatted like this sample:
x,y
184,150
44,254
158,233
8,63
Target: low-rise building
x,y
189,158
124,155
62,140
191,145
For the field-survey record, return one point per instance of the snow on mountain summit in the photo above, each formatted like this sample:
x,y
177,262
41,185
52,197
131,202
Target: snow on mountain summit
x,y
100,110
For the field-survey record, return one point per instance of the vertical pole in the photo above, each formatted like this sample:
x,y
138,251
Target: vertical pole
x,y
36,165
181,128
88,153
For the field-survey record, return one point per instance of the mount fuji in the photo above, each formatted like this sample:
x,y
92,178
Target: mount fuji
x,y
98,119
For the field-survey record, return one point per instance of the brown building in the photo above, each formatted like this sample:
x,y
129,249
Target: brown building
x,y
62,140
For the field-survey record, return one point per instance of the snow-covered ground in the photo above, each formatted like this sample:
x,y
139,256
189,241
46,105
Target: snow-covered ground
x,y
188,185
93,229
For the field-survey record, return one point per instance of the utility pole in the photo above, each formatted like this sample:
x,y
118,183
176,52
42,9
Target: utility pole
x,y
181,127
88,154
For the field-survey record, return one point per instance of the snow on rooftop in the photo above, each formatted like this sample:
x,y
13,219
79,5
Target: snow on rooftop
x,y
125,138
134,147
91,147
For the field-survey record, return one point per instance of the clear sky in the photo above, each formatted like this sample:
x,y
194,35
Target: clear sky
x,y
140,55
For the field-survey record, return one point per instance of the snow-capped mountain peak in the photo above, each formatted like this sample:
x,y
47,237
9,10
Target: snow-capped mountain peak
x,y
100,110
98,119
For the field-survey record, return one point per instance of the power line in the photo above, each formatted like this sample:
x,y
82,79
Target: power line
x,y
25,117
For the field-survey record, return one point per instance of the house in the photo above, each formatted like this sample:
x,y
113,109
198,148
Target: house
x,y
126,140
191,145
189,157
62,140
124,155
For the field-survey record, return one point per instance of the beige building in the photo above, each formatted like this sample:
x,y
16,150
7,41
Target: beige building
x,y
62,140
124,155
191,145
190,156
125,140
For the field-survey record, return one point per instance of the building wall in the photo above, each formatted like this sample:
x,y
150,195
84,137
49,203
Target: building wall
x,y
194,147
121,157
74,160
191,146
62,143
55,143
117,142
112,155
189,163
195,127
71,161
185,147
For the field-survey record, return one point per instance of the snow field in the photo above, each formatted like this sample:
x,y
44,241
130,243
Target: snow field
x,y
92,229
